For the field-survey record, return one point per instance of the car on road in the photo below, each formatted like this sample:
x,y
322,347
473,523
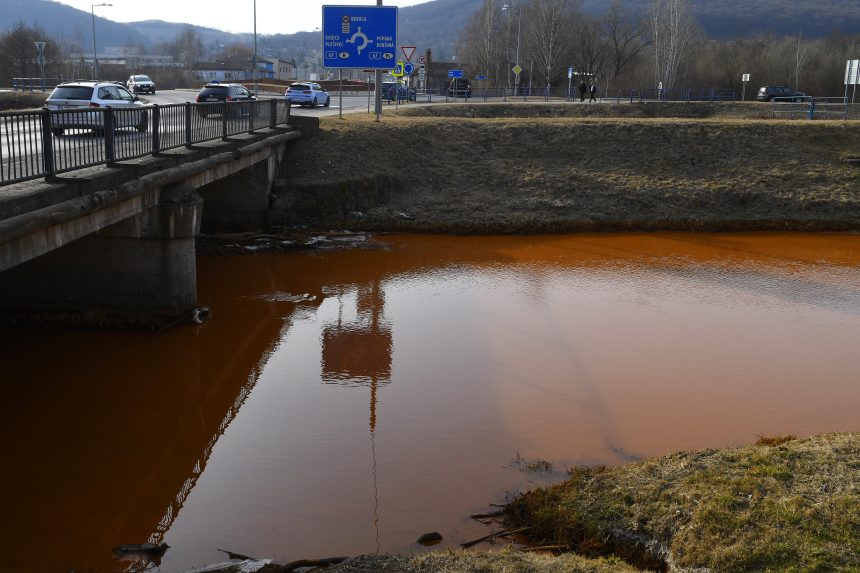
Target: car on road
x,y
392,90
140,84
768,93
216,92
460,87
307,93
81,105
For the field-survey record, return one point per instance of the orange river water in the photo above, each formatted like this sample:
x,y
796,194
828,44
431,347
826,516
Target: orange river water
x,y
347,401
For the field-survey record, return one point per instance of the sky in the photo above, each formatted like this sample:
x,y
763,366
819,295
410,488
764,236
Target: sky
x,y
273,16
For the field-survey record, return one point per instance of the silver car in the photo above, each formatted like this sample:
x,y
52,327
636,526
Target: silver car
x,y
140,84
81,105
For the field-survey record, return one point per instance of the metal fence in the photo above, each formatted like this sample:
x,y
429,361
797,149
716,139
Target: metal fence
x,y
808,107
35,84
572,94
47,142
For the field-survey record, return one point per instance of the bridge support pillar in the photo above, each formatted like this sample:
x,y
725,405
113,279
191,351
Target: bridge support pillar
x,y
140,272
239,202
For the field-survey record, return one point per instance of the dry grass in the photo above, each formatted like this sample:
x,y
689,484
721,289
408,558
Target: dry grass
x,y
792,506
517,174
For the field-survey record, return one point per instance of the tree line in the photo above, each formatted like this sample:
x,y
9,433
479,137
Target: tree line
x,y
625,49
18,56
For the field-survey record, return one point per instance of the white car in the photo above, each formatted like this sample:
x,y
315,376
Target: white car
x,y
88,98
140,84
307,93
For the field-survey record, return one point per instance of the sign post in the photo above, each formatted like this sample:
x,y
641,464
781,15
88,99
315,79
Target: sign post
x,y
361,37
40,59
569,79
745,79
852,77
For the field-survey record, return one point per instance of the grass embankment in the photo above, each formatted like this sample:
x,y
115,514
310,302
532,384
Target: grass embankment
x,y
792,506
491,170
14,101
783,505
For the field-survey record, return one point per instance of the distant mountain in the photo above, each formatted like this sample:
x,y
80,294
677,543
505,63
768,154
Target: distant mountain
x,y
435,24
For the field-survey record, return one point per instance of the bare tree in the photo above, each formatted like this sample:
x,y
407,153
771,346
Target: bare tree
x,y
625,37
590,51
188,47
801,53
549,35
482,41
673,29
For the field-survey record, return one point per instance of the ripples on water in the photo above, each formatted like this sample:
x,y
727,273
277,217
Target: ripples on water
x,y
347,402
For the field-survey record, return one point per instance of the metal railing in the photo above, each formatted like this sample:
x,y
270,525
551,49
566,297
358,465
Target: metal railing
x,y
35,84
44,143
526,93
808,107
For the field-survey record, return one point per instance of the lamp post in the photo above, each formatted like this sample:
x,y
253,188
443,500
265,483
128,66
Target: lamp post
x,y
95,55
254,59
507,8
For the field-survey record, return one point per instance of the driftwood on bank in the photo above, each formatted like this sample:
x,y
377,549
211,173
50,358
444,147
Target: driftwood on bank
x,y
293,565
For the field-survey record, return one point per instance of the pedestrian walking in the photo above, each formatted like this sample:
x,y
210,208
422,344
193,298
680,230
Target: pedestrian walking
x,y
592,90
582,88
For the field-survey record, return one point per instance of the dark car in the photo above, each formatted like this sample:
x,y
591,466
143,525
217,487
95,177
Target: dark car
x,y
214,92
768,93
460,87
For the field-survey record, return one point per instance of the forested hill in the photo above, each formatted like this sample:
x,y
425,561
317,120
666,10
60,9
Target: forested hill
x,y
437,23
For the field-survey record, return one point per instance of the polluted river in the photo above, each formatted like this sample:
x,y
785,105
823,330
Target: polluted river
x,y
342,401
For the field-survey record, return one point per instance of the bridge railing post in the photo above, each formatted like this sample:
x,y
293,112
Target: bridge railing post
x,y
110,153
273,113
224,112
156,125
47,145
187,124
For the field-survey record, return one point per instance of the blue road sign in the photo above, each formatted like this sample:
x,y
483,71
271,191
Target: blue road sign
x,y
480,78
359,37
455,73
408,68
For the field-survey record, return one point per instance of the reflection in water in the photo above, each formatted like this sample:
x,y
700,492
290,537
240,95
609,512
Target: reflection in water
x,y
359,352
250,432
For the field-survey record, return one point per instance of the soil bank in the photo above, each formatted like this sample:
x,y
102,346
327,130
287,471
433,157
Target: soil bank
x,y
535,168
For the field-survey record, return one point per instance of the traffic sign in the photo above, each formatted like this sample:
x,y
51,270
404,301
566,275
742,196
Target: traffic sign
x,y
745,78
408,68
40,48
517,69
455,73
480,78
408,51
422,60
359,36
40,60
398,70
569,73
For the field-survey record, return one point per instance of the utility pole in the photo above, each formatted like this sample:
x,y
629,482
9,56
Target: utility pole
x,y
254,59
378,82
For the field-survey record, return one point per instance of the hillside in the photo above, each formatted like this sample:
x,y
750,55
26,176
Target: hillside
x,y
437,24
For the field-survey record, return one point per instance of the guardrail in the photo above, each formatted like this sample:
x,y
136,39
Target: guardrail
x,y
44,143
808,107
35,84
572,94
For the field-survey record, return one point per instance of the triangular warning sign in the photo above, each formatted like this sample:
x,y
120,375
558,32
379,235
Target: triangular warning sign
x,y
408,51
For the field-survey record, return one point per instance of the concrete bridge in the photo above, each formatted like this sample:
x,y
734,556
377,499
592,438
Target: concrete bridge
x,y
115,245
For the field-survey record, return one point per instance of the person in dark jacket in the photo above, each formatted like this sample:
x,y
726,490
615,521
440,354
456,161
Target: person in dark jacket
x,y
592,91
582,88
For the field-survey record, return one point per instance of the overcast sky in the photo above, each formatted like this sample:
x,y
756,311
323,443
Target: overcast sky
x,y
273,16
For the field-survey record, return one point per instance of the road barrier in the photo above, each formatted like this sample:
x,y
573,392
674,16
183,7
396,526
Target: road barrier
x,y
808,107
44,143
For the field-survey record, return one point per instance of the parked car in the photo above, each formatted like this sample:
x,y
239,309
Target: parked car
x,y
460,87
216,92
767,93
91,96
307,93
392,90
140,84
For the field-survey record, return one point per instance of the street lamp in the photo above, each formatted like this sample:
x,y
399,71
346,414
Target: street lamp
x,y
95,55
254,59
507,8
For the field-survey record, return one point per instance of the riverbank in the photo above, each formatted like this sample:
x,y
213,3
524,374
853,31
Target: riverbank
x,y
536,168
783,504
